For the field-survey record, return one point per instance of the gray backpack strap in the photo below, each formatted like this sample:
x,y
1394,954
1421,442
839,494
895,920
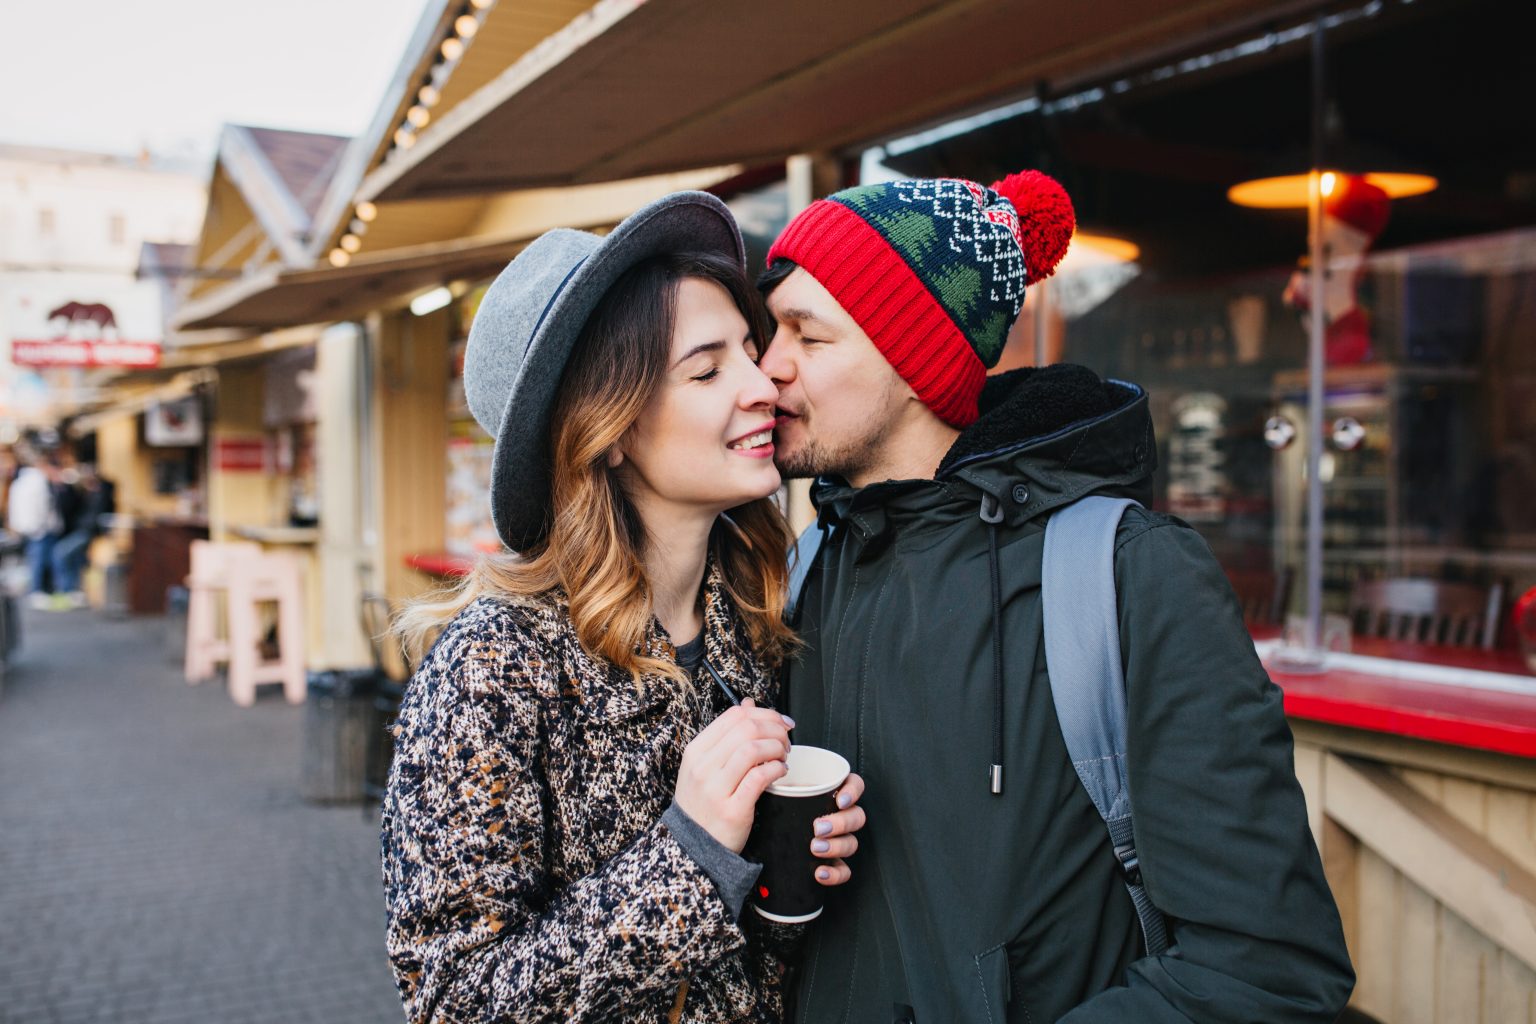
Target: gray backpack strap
x,y
1082,654
805,550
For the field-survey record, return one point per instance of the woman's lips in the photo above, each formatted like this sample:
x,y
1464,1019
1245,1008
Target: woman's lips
x,y
757,445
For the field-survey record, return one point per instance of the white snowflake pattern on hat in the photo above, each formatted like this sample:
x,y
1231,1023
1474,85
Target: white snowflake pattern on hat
x,y
982,220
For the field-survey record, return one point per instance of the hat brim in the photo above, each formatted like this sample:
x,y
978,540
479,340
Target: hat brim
x,y
520,470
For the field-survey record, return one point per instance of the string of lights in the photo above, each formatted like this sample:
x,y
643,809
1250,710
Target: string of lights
x,y
461,31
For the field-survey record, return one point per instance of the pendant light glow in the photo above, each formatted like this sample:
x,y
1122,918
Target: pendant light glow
x,y
1289,191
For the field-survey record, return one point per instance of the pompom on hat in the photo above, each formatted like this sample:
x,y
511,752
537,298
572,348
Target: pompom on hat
x,y
934,271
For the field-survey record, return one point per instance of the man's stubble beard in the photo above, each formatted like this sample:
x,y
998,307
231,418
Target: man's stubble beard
x,y
853,459
815,458
808,462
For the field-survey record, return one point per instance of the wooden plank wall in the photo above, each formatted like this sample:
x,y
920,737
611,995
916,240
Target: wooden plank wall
x,y
1432,857
241,497
411,444
122,459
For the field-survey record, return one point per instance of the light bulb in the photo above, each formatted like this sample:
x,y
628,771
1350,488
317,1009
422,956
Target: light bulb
x,y
340,257
351,243
418,116
453,48
366,211
466,25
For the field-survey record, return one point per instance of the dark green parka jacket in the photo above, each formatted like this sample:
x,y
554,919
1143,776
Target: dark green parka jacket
x,y
967,906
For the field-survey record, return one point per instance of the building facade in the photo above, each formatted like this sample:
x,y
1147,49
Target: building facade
x,y
71,228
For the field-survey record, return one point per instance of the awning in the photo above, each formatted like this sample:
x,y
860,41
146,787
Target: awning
x,y
129,398
633,88
273,298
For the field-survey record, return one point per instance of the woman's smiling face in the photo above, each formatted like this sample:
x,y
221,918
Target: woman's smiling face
x,y
704,443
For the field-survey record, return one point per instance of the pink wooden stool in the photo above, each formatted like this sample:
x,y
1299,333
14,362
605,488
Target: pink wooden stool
x,y
207,641
256,579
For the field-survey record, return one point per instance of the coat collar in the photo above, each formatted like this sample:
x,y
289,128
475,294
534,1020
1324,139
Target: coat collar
x,y
1045,438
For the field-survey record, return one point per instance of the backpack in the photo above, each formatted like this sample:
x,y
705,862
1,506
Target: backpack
x,y
1082,649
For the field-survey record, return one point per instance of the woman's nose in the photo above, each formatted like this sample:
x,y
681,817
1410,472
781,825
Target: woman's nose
x,y
758,389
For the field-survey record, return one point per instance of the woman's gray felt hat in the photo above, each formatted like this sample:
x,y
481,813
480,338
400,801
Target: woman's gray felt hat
x,y
527,326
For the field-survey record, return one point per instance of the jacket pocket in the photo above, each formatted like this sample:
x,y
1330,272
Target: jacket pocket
x,y
992,977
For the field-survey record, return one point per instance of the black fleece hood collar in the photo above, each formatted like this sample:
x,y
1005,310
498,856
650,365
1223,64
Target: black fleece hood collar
x,y
1045,435
1029,404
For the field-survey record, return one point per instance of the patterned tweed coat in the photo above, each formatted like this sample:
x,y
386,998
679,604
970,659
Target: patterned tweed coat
x,y
527,873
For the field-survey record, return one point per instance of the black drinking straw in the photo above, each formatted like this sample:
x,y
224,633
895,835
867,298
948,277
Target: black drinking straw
x,y
718,679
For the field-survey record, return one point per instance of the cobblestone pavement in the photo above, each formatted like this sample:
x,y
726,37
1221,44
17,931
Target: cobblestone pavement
x,y
156,861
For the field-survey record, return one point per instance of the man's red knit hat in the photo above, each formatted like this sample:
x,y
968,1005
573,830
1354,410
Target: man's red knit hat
x,y
934,271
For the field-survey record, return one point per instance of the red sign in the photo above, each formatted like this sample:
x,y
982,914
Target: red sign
x,y
85,354
240,454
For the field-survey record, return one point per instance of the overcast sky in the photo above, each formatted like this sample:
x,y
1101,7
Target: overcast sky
x,y
118,75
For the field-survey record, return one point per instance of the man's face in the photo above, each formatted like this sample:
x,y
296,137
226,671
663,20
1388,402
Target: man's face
x,y
837,394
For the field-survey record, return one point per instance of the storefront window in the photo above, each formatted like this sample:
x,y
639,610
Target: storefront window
x,y
1429,456
1429,467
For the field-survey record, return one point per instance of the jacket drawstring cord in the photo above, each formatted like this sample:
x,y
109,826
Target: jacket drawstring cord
x,y
992,515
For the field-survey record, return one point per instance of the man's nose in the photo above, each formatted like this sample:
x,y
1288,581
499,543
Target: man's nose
x,y
778,362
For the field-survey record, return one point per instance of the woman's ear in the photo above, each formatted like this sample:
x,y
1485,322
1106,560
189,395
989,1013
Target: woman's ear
x,y
615,456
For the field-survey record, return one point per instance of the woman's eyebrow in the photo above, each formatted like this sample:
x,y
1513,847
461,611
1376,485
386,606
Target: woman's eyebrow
x,y
708,346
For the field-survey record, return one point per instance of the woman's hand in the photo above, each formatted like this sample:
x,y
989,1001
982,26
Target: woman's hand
x,y
728,765
835,837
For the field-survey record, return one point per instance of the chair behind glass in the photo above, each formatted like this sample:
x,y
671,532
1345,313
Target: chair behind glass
x,y
1427,611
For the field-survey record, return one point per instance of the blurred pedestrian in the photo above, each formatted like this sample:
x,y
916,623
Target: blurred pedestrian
x,y
571,793
33,514
81,511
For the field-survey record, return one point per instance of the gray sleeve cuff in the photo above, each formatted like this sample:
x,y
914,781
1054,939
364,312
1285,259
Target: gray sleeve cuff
x,y
733,876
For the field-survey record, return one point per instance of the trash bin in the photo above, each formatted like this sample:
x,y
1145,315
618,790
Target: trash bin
x,y
381,737
176,599
114,597
338,720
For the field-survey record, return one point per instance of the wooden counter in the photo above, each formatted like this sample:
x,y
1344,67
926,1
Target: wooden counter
x,y
160,558
278,535
1476,699
440,563
1422,797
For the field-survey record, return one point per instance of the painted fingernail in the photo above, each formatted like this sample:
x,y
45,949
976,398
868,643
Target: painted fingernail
x,y
823,873
823,827
820,846
844,800
788,722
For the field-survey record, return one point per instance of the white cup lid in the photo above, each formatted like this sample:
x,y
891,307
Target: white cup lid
x,y
812,771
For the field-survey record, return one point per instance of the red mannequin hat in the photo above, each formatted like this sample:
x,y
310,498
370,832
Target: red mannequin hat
x,y
1358,203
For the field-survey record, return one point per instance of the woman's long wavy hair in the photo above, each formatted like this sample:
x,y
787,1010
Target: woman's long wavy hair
x,y
593,550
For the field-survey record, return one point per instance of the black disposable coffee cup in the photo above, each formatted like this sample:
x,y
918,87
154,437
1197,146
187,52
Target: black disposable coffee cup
x,y
787,890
